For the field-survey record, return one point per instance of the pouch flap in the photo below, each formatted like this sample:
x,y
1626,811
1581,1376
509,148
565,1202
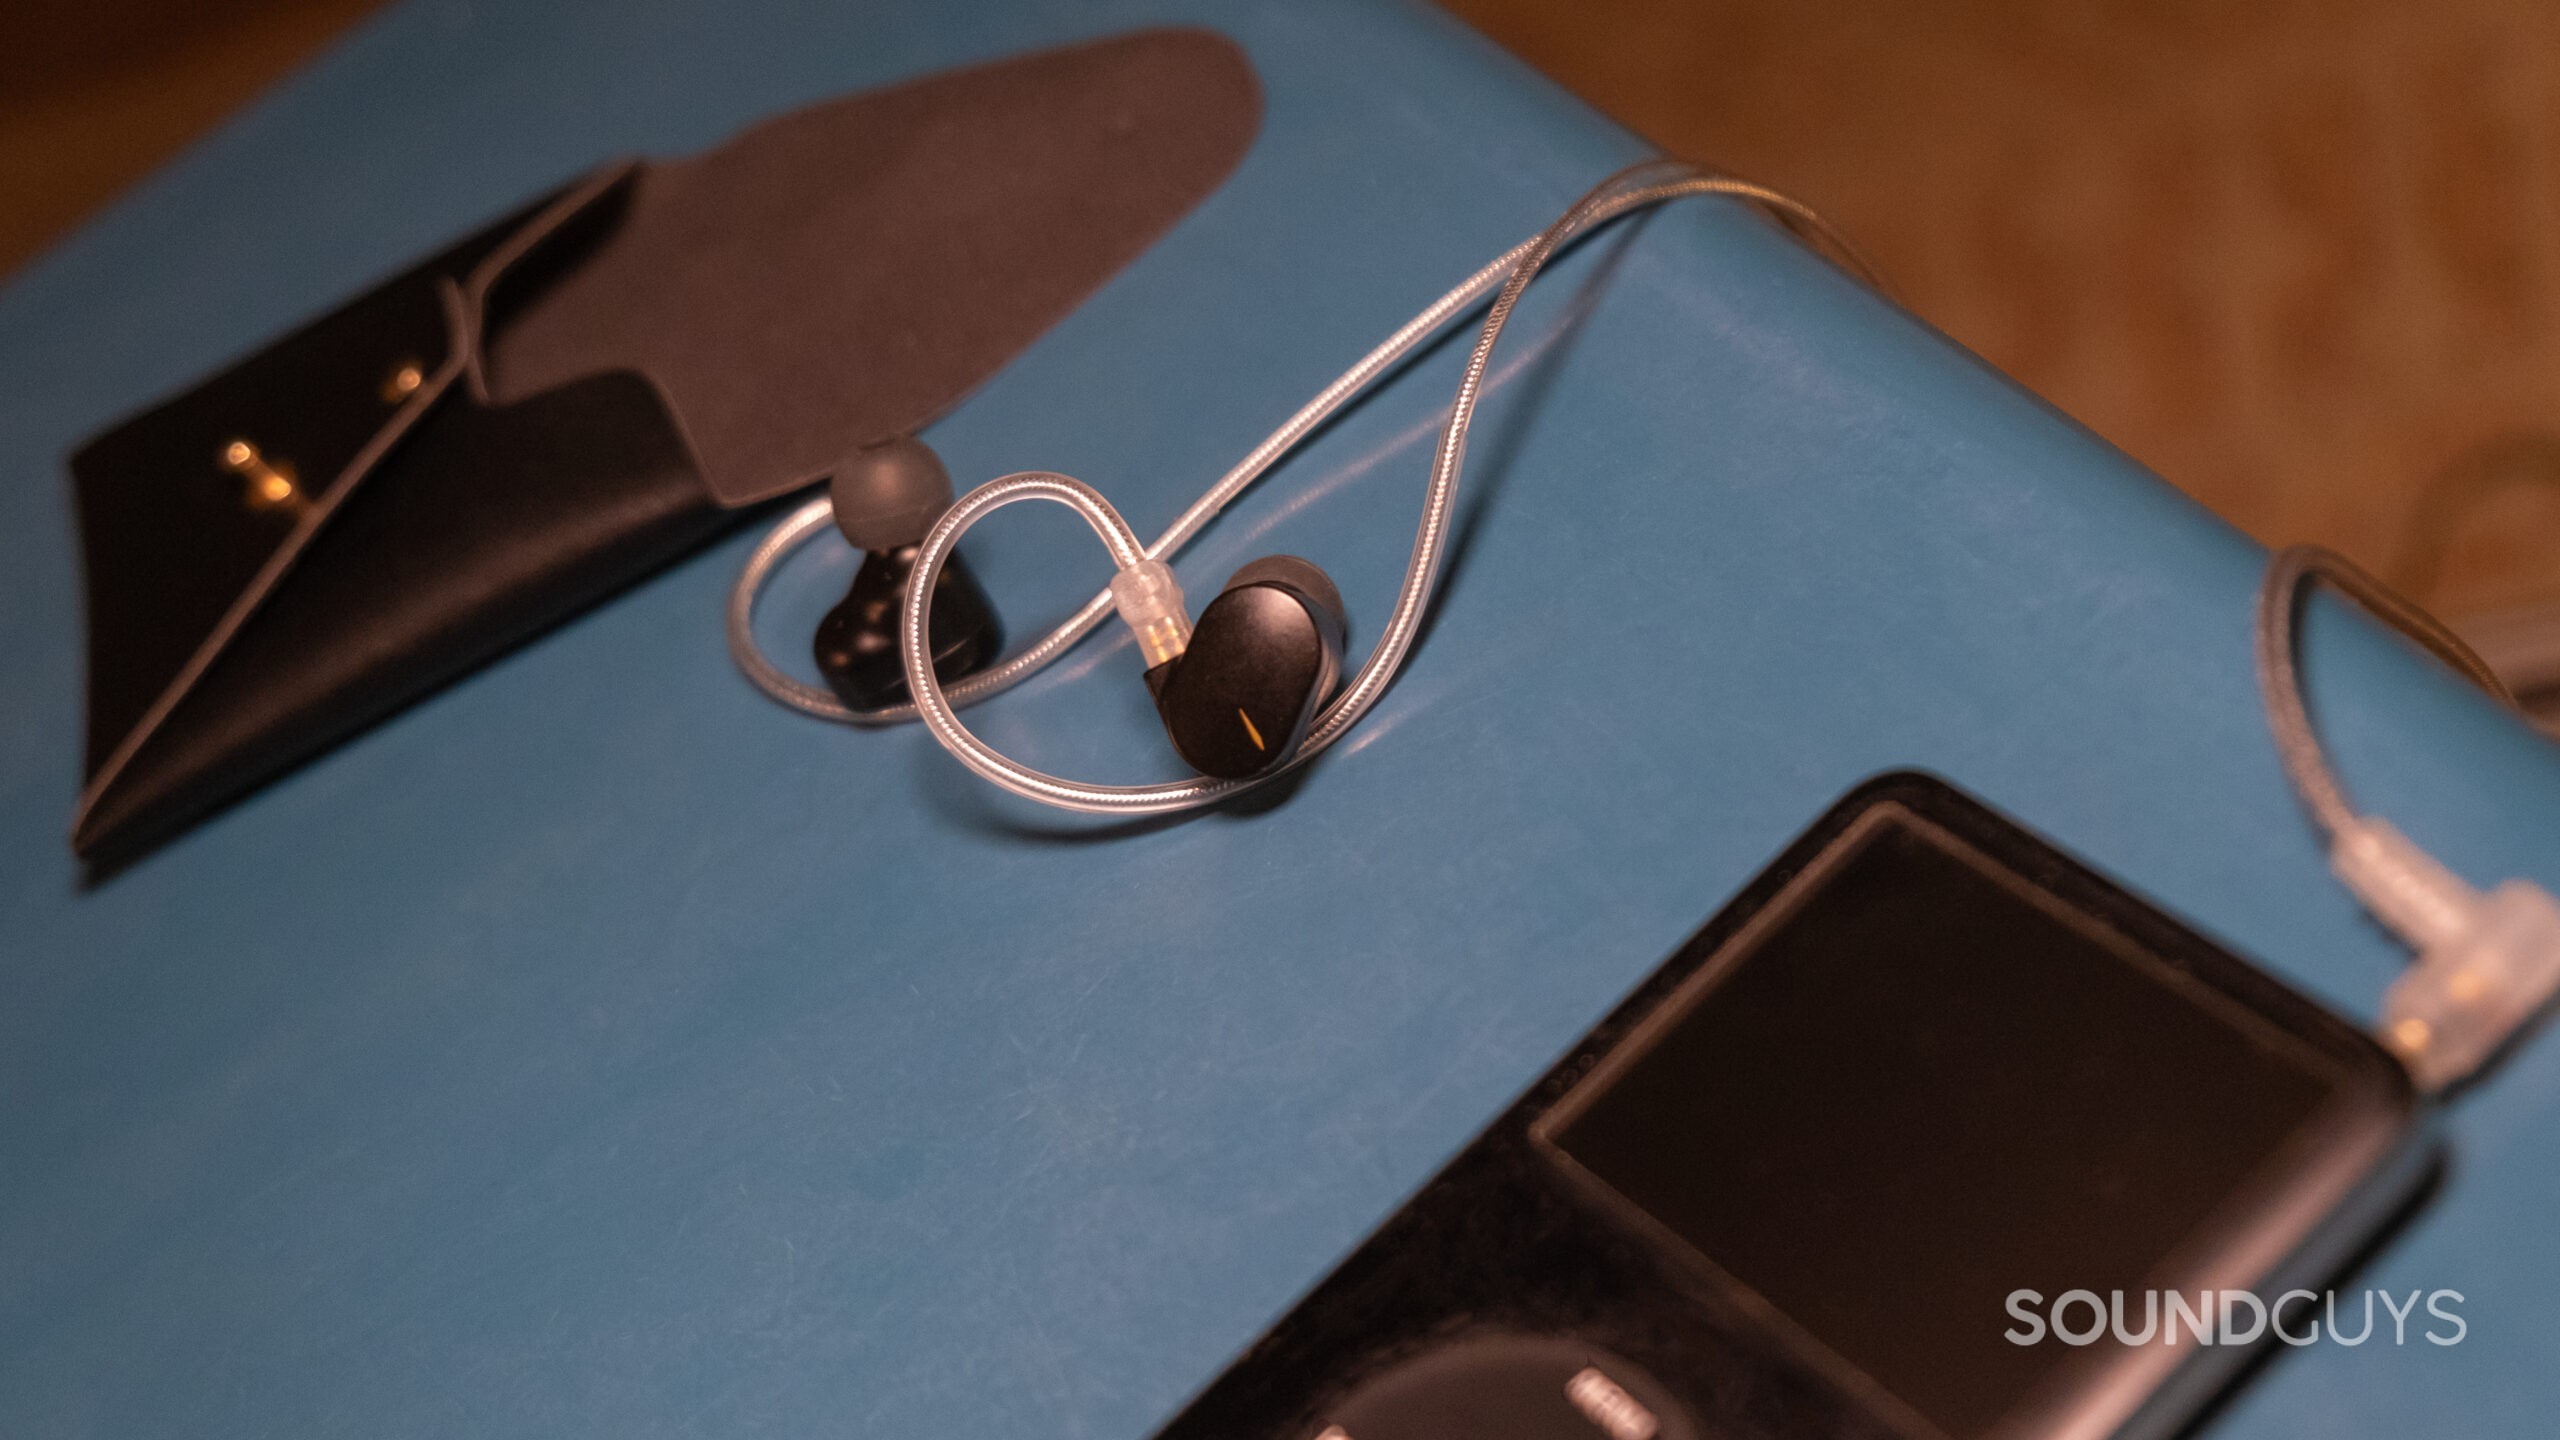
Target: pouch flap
x,y
845,272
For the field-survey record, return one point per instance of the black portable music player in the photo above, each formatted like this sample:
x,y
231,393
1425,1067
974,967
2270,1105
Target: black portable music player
x,y
1792,1185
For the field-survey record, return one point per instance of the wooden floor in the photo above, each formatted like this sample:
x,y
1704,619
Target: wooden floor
x,y
96,93
2302,259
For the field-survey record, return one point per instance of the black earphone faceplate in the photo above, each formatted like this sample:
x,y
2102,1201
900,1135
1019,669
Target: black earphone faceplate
x,y
1265,656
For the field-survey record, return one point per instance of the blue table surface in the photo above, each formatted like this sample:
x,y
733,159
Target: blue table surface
x,y
597,1049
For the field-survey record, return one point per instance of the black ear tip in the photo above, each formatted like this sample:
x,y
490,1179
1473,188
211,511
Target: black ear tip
x,y
888,495
1290,572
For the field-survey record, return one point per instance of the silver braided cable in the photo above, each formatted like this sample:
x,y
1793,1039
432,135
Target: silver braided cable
x,y
1638,186
807,522
1630,189
793,531
2281,593
915,621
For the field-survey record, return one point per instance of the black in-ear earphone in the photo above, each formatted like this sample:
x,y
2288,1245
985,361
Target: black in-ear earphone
x,y
1237,695
884,498
1264,658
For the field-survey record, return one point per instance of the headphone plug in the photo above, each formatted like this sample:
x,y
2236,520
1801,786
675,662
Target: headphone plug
x,y
2487,963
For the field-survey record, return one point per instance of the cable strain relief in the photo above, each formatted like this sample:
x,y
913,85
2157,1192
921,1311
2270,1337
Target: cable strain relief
x,y
2456,1009
1149,600
2405,888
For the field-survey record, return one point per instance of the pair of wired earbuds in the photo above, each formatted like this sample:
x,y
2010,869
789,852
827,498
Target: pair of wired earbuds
x,y
1236,691
1257,688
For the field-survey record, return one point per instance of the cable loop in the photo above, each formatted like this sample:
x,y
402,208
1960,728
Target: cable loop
x,y
1647,183
2290,572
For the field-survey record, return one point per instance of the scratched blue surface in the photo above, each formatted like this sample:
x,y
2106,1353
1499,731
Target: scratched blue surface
x,y
598,1050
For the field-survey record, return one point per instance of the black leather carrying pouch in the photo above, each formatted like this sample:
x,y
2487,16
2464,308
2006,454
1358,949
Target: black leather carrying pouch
x,y
548,410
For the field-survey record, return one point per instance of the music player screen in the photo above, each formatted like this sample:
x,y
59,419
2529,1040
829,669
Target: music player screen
x,y
1923,1085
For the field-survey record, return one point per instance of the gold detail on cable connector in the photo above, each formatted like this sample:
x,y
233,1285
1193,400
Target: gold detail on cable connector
x,y
1254,734
1162,639
271,485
